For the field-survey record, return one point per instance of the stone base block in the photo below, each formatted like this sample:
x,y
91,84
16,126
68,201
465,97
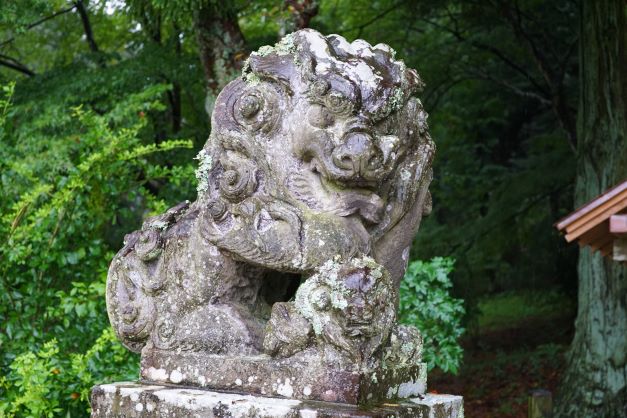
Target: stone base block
x,y
300,377
127,399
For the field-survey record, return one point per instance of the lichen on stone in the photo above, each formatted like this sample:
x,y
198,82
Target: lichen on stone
x,y
158,224
203,170
252,78
285,46
327,283
397,100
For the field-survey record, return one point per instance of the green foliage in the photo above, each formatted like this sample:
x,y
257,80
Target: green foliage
x,y
74,183
5,101
426,302
45,383
17,14
509,309
32,374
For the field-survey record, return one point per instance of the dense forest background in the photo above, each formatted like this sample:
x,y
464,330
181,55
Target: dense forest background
x,y
105,104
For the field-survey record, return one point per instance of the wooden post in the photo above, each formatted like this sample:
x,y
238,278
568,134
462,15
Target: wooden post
x,y
620,249
618,227
540,404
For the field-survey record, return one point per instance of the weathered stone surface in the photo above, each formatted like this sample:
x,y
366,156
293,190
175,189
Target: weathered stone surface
x,y
155,401
282,277
302,376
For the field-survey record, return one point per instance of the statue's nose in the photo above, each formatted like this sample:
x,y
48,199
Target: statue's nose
x,y
358,156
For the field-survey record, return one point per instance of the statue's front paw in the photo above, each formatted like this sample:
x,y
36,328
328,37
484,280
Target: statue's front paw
x,y
287,331
405,346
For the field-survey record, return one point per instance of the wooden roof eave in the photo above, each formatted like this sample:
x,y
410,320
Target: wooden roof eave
x,y
601,202
594,213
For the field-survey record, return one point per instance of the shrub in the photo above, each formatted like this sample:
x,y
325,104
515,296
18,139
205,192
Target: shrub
x,y
73,180
426,302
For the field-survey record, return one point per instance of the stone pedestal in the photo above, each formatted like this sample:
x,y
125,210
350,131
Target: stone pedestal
x,y
128,399
299,377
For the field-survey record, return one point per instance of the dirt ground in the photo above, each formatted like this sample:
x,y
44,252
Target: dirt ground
x,y
501,367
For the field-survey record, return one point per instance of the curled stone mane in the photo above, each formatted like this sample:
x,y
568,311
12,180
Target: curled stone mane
x,y
383,83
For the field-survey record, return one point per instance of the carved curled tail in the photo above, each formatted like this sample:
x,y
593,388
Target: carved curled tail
x,y
131,311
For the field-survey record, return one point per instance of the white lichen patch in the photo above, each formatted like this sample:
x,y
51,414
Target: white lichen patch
x,y
108,388
405,255
157,375
200,401
389,144
285,389
286,46
409,389
158,224
202,172
405,174
392,391
176,376
251,78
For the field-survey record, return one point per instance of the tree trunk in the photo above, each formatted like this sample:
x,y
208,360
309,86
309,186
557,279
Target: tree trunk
x,y
221,46
89,33
300,14
595,381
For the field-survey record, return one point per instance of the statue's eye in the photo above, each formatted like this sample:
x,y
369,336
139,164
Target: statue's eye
x,y
255,110
339,104
319,117
248,106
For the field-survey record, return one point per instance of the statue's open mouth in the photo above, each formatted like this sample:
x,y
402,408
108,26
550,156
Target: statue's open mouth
x,y
324,193
350,201
342,178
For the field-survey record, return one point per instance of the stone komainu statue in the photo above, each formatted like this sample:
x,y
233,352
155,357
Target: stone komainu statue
x,y
282,278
